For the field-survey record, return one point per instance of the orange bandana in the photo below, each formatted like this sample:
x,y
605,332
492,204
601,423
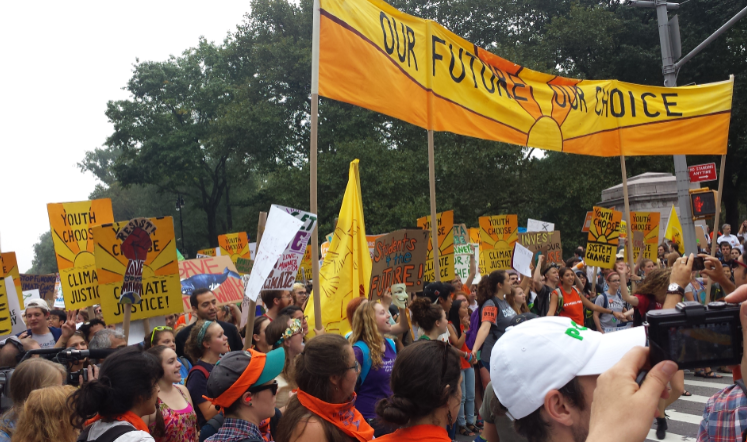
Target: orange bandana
x,y
129,416
344,416
246,380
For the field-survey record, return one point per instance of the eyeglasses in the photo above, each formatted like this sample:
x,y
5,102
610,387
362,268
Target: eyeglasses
x,y
356,366
272,387
159,328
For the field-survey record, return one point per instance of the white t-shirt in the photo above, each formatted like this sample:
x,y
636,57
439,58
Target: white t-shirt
x,y
474,306
732,240
45,341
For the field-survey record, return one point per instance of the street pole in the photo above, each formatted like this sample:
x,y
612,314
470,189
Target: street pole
x,y
669,68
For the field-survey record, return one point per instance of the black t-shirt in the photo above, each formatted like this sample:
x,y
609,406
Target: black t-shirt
x,y
541,302
234,339
197,386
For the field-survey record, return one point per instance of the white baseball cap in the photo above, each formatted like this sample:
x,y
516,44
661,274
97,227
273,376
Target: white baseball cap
x,y
545,354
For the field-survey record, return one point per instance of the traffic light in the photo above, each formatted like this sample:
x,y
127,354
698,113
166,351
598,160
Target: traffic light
x,y
703,203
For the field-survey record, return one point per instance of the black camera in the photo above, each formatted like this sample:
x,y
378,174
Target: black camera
x,y
73,377
694,335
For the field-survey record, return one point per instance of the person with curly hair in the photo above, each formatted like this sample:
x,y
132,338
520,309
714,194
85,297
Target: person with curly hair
x,y
205,345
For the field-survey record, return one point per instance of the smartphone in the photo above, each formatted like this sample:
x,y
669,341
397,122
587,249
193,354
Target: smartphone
x,y
698,263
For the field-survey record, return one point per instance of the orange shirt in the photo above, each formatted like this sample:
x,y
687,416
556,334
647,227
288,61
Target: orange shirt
x,y
572,306
417,433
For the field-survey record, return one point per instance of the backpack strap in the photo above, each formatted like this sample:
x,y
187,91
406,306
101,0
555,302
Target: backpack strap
x,y
109,435
363,347
559,307
392,344
606,303
195,368
185,362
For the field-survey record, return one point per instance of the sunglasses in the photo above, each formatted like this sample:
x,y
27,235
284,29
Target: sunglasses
x,y
159,328
272,387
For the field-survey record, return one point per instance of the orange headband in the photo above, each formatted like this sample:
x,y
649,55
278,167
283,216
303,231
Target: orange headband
x,y
246,380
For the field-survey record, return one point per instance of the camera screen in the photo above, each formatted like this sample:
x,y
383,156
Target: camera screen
x,y
700,342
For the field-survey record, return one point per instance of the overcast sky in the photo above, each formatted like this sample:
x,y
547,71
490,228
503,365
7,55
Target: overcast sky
x,y
61,63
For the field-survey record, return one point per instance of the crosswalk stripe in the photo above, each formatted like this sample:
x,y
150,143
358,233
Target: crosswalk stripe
x,y
684,417
670,437
694,398
706,384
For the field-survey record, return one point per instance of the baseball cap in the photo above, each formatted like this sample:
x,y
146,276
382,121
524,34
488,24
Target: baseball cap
x,y
38,303
546,353
620,255
237,371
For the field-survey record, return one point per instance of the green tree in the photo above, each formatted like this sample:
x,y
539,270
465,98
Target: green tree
x,y
45,260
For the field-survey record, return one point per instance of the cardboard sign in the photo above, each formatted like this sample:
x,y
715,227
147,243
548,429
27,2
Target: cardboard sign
x,y
138,256
498,234
304,269
639,245
603,238
244,266
9,267
72,233
208,252
280,231
546,244
702,172
445,232
43,283
217,274
534,225
399,258
587,222
11,322
648,224
283,275
235,245
522,259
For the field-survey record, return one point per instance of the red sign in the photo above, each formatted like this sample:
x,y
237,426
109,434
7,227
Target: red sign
x,y
702,172
587,222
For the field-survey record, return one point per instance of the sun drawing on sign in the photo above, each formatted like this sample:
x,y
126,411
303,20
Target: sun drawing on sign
x,y
606,234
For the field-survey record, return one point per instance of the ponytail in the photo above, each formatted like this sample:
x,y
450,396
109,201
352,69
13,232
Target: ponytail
x,y
488,285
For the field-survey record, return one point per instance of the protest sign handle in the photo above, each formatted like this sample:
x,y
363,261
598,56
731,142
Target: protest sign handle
x,y
91,313
252,306
434,220
716,220
629,224
146,327
126,323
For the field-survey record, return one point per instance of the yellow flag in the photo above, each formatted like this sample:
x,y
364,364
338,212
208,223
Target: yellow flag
x,y
346,271
674,231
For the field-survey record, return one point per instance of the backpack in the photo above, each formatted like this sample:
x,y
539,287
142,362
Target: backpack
x,y
199,368
109,435
559,292
474,327
363,347
638,318
542,303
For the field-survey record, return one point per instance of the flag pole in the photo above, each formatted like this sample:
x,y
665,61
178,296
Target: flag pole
x,y
251,306
318,325
434,220
629,233
716,220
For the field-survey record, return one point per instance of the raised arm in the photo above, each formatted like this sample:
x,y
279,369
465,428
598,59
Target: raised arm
x,y
538,274
472,270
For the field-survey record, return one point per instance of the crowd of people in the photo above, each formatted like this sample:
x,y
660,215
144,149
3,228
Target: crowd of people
x,y
554,355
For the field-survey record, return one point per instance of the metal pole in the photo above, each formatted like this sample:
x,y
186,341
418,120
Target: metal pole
x,y
434,219
710,39
181,222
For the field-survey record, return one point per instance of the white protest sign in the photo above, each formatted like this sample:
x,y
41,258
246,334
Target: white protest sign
x,y
17,324
534,225
28,295
286,267
253,249
281,229
522,259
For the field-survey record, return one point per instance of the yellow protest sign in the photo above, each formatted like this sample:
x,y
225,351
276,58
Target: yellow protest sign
x,y
235,245
498,234
215,251
304,269
6,324
603,238
445,246
153,254
648,224
9,267
72,233
374,56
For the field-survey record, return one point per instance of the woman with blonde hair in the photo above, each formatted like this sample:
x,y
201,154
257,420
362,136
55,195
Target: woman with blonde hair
x,y
30,375
375,355
46,416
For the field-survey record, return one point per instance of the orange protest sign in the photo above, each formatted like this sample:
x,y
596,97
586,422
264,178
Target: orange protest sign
x,y
648,224
160,289
235,245
9,267
72,233
215,251
445,246
603,238
498,234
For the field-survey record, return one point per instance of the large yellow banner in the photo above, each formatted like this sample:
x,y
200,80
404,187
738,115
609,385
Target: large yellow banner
x,y
374,56
445,246
72,233
157,264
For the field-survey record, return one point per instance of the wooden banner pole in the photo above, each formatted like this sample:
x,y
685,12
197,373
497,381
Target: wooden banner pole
x,y
716,221
126,324
629,224
252,305
318,324
434,220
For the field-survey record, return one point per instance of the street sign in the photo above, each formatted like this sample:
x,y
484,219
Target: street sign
x,y
702,172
